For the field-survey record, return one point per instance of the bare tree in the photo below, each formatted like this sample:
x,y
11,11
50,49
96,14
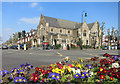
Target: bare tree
x,y
102,33
108,31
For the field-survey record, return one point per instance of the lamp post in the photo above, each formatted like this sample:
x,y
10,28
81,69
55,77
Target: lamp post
x,y
83,12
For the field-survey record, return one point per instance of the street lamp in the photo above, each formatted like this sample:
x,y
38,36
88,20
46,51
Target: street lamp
x,y
83,12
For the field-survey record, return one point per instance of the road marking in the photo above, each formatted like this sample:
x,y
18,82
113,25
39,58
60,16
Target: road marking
x,y
59,54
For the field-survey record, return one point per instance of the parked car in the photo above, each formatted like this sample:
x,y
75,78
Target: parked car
x,y
105,48
22,46
4,47
118,47
14,47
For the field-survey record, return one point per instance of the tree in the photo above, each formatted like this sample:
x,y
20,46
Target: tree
x,y
79,43
98,25
102,33
10,39
15,37
108,31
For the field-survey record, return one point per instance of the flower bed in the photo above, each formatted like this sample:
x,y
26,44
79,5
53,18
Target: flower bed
x,y
82,71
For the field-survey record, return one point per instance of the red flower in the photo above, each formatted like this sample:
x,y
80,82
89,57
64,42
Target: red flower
x,y
36,68
43,71
98,73
105,71
40,69
109,56
94,59
102,76
36,79
31,78
113,74
34,74
109,62
117,74
111,78
101,69
50,67
47,71
43,80
105,55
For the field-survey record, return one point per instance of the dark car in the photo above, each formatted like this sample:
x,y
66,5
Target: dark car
x,y
105,48
14,47
118,47
22,46
4,47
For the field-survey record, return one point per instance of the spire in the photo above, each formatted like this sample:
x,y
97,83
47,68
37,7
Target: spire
x,y
41,15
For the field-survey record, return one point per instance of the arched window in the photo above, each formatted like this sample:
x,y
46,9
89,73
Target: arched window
x,y
84,33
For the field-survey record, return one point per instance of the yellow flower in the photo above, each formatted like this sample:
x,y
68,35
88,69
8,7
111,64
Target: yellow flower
x,y
79,65
69,69
73,65
53,70
64,67
81,60
62,71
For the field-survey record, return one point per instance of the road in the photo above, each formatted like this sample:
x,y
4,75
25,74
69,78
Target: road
x,y
13,58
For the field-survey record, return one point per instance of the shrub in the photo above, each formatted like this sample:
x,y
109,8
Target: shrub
x,y
58,46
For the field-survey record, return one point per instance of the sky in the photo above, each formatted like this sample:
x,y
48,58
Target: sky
x,y
18,16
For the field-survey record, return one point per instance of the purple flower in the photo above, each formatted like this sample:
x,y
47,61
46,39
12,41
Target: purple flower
x,y
76,75
11,77
50,75
16,80
87,74
53,75
19,80
115,57
4,72
21,65
24,80
118,58
57,77
83,75
90,66
0,81
20,72
14,70
1,73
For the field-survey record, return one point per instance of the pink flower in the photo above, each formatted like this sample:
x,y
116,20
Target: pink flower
x,y
70,65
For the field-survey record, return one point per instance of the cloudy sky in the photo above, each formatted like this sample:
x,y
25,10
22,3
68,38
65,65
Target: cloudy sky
x,y
18,16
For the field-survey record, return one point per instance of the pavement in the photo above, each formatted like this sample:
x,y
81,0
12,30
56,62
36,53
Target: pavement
x,y
13,58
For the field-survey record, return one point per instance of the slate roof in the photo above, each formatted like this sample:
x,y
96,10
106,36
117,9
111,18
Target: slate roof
x,y
90,25
60,23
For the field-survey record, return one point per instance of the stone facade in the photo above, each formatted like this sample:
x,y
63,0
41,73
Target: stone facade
x,y
58,31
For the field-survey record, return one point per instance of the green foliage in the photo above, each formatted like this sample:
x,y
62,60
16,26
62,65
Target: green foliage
x,y
79,43
58,46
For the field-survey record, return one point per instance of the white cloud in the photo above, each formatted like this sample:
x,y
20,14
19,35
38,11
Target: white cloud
x,y
7,32
34,5
34,20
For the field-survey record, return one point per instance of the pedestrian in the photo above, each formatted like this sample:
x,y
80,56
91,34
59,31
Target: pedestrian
x,y
68,48
52,46
43,46
48,46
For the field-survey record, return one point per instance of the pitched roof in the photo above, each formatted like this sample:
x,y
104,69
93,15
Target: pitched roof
x,y
60,23
90,25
